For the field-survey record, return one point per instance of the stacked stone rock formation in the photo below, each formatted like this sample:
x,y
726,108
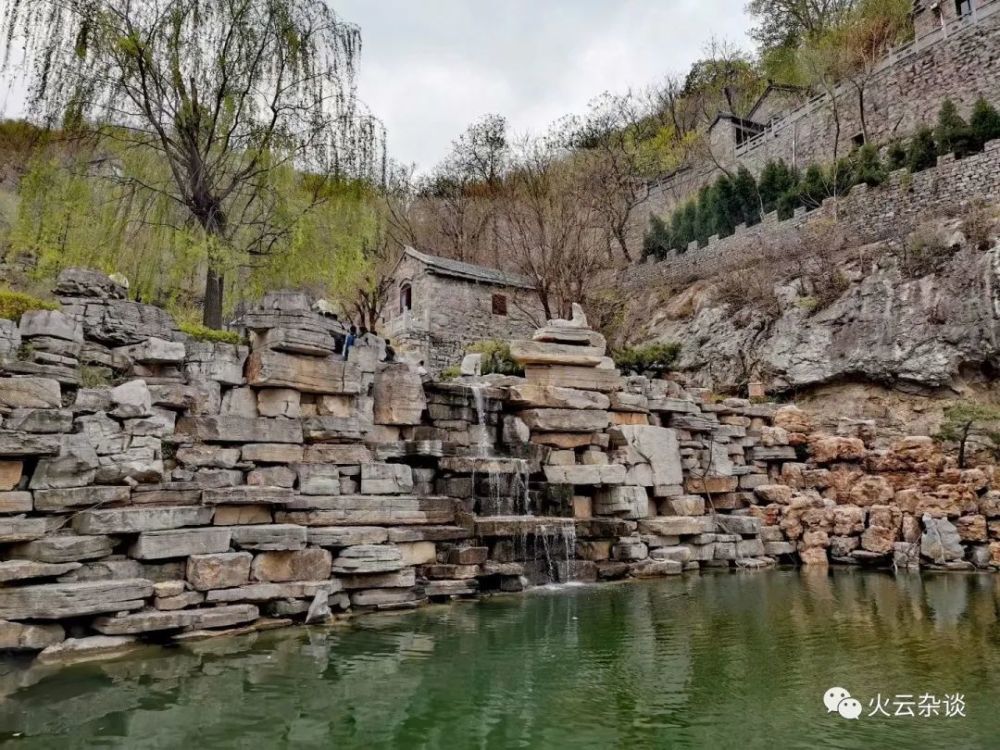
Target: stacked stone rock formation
x,y
211,488
619,448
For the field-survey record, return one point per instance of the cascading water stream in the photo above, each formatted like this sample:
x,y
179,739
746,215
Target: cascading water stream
x,y
551,545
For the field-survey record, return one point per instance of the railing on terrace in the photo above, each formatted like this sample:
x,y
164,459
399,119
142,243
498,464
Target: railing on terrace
x,y
982,11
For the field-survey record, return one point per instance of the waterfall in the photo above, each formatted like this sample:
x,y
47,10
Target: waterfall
x,y
551,539
484,449
484,439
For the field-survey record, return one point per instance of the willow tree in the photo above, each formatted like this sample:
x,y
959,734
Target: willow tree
x,y
228,92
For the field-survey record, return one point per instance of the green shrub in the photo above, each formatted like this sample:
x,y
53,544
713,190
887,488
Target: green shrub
x,y
953,134
923,152
704,216
985,122
809,304
970,424
496,358
15,304
867,167
896,155
652,358
203,333
657,240
776,181
747,197
925,251
450,373
813,189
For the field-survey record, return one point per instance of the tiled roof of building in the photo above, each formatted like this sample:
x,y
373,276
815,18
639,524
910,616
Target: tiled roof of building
x,y
468,271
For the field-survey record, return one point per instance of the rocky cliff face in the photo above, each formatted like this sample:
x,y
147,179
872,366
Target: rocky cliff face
x,y
921,315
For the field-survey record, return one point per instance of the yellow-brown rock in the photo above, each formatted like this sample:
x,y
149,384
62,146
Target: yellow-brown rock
x,y
793,419
871,490
972,528
828,449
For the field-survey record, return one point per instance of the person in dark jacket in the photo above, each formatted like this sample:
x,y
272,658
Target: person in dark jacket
x,y
352,336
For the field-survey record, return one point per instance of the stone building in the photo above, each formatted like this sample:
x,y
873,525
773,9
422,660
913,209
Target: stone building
x,y
438,306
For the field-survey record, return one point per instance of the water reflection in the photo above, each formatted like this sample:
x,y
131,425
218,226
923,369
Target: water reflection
x,y
728,660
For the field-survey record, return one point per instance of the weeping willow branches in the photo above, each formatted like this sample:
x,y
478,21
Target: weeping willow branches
x,y
230,93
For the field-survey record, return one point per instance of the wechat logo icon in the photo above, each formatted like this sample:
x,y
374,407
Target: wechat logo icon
x,y
838,700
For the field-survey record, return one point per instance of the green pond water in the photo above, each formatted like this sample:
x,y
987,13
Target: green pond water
x,y
710,661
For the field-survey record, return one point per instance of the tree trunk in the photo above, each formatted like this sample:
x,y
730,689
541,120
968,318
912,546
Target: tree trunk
x,y
209,213
961,445
861,111
620,237
214,287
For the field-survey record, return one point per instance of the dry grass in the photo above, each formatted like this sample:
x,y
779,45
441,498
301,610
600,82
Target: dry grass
x,y
980,226
750,288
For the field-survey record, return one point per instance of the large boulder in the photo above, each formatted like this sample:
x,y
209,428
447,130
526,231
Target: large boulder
x,y
827,449
51,324
75,466
85,282
54,601
658,446
399,395
270,369
553,397
940,541
565,420
311,564
30,393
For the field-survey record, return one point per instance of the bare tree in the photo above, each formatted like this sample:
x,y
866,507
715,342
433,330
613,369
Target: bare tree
x,y
454,214
611,150
546,224
866,36
726,79
227,92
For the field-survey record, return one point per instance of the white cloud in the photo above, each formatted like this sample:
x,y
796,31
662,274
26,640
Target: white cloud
x,y
430,67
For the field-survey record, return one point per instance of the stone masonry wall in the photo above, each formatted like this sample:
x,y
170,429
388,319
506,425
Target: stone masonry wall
x,y
155,488
903,94
865,215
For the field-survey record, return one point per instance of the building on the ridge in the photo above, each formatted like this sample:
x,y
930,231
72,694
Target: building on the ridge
x,y
930,16
438,306
952,55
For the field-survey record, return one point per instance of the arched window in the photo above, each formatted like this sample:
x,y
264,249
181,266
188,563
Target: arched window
x,y
405,297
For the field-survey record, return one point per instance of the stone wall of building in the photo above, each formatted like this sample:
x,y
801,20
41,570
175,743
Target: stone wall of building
x,y
904,93
449,313
888,212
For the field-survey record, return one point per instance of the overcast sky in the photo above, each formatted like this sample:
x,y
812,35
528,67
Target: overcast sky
x,y
431,67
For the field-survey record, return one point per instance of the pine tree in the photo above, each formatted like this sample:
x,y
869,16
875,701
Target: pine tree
x,y
923,152
985,123
896,155
656,241
704,216
678,237
775,181
745,187
725,207
868,167
953,134
814,188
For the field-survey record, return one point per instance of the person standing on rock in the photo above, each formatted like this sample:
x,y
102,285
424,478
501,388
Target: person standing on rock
x,y
352,335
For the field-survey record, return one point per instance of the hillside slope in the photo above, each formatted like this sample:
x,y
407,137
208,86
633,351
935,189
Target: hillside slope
x,y
921,317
